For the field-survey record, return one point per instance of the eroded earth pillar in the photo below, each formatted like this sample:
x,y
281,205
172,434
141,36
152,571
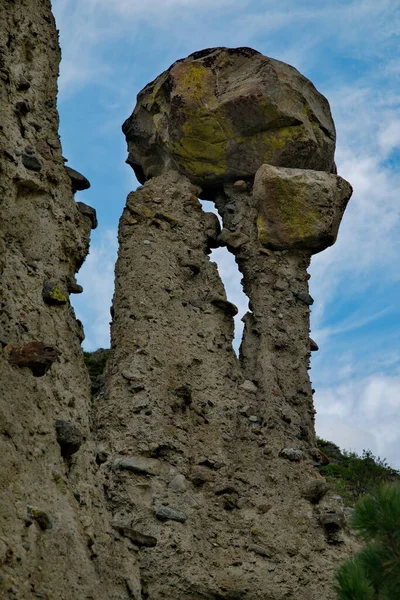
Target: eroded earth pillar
x,y
211,467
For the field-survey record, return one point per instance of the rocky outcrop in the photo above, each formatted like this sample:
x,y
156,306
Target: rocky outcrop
x,y
221,113
56,540
211,455
193,474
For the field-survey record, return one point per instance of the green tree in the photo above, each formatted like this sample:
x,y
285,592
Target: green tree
x,y
374,573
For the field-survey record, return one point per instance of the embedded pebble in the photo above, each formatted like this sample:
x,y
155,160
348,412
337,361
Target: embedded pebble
x,y
166,513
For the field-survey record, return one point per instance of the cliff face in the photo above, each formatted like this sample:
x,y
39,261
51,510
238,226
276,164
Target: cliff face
x,y
54,533
193,473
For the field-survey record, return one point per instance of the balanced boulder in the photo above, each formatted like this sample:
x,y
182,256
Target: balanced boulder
x,y
219,114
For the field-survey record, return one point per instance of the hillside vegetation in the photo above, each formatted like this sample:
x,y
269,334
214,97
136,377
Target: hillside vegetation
x,y
352,475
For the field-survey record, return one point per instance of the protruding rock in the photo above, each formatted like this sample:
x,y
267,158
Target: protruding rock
x,y
260,550
240,186
332,522
315,490
78,181
74,288
69,437
232,239
31,162
36,356
178,484
292,454
22,108
53,295
137,537
139,465
248,386
304,297
212,229
313,346
39,516
220,113
228,307
23,84
88,211
299,208
166,513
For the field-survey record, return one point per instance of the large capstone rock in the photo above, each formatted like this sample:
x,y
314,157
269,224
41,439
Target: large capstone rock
x,y
299,208
219,114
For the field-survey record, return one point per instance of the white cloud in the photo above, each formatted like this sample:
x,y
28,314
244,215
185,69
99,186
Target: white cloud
x,y
362,414
389,136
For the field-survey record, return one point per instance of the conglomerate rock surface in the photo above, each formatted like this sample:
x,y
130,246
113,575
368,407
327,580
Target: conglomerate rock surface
x,y
56,541
211,458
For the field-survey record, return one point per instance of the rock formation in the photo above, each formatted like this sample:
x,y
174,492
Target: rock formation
x,y
192,475
221,113
212,457
56,541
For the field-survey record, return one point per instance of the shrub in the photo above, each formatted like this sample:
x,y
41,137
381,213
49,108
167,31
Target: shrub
x,y
351,475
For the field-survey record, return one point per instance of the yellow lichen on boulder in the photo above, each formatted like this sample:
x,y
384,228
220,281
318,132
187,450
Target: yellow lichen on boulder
x,y
299,208
221,113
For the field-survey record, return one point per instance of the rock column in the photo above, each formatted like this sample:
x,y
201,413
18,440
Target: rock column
x,y
55,538
211,459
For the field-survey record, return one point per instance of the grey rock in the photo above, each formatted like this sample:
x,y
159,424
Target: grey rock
x,y
166,513
178,484
199,478
23,84
137,537
140,465
281,285
74,288
31,162
22,107
232,239
260,550
298,208
240,185
69,437
292,454
253,418
271,114
101,457
315,490
225,306
212,229
248,386
89,212
78,181
304,297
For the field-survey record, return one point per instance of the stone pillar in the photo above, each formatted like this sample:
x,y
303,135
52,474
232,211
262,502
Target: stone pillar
x,y
55,538
211,458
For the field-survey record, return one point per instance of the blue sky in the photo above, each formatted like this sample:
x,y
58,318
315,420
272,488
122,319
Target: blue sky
x,y
350,50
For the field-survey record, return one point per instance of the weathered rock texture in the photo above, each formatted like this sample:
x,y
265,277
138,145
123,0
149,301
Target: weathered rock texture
x,y
221,113
55,538
212,456
193,475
